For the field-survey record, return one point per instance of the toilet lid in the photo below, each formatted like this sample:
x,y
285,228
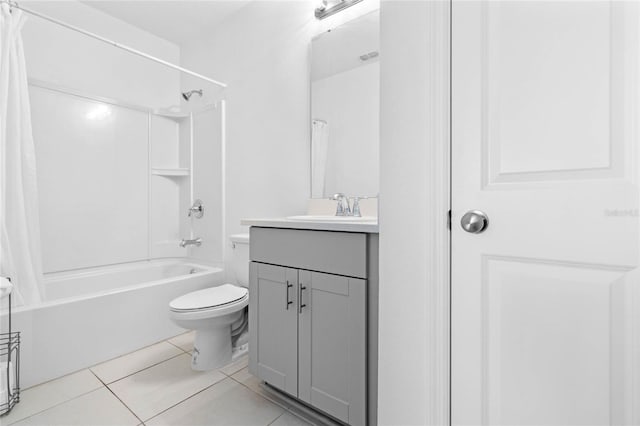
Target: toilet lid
x,y
209,297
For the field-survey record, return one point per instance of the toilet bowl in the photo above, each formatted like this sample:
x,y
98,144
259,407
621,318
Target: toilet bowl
x,y
210,312
213,312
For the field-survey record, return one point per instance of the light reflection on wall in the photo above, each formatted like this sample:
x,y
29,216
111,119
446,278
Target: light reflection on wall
x,y
99,112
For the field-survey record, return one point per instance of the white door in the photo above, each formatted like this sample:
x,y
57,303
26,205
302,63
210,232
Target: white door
x,y
545,127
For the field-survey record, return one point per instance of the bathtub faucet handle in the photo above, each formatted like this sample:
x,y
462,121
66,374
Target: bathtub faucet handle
x,y
196,210
196,242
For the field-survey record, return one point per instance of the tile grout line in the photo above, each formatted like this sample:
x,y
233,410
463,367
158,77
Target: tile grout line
x,y
138,350
296,416
189,397
102,383
118,398
235,372
58,404
181,348
286,408
276,419
142,422
135,372
293,413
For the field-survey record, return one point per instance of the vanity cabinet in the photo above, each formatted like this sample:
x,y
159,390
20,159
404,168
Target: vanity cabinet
x,y
332,345
276,323
308,307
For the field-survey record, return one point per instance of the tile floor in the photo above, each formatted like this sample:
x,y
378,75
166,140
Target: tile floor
x,y
153,386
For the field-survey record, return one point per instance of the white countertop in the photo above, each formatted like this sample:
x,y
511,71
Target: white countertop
x,y
333,225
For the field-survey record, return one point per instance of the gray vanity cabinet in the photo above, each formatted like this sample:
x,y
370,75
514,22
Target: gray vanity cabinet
x,y
332,345
277,325
311,339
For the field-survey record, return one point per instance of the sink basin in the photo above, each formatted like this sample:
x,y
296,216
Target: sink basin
x,y
312,218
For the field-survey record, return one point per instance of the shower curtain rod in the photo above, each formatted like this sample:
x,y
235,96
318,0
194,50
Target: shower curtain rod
x,y
113,43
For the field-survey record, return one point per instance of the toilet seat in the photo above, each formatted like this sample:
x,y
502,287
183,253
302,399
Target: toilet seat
x,y
210,302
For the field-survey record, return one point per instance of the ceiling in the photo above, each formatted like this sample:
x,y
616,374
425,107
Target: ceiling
x,y
176,21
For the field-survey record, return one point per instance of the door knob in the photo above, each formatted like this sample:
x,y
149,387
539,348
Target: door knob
x,y
474,221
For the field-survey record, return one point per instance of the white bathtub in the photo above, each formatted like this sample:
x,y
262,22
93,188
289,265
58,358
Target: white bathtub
x,y
97,314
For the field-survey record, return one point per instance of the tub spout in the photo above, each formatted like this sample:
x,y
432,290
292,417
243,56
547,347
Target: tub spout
x,y
197,242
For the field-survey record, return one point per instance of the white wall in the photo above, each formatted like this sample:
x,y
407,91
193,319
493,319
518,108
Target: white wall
x,y
262,54
403,318
414,241
414,139
350,104
93,157
59,55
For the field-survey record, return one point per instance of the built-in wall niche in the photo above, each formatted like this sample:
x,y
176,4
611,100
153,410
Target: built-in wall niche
x,y
170,182
186,163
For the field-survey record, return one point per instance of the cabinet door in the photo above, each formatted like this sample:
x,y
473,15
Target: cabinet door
x,y
332,336
274,326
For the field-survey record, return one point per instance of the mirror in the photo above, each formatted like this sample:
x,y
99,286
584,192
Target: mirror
x,y
345,109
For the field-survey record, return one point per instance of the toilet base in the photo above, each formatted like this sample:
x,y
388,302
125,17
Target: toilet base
x,y
212,348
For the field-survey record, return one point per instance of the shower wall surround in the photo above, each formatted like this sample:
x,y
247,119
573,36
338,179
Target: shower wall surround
x,y
208,183
114,178
92,177
115,181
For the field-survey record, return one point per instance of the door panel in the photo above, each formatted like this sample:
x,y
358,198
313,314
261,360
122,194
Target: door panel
x,y
545,301
276,325
548,339
547,74
333,345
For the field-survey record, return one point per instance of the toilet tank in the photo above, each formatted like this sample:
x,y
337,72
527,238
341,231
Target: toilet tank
x,y
240,258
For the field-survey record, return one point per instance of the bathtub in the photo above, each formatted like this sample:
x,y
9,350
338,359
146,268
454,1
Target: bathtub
x,y
92,315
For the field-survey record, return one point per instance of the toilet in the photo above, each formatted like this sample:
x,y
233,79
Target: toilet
x,y
216,313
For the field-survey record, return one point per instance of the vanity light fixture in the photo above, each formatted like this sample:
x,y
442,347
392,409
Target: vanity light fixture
x,y
330,7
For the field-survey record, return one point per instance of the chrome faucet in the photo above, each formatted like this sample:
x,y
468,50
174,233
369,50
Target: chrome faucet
x,y
343,208
197,242
196,210
356,207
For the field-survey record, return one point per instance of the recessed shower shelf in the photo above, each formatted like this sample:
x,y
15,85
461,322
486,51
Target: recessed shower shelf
x,y
171,114
170,172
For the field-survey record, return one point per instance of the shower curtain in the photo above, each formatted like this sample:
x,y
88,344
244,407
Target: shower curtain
x,y
20,254
319,147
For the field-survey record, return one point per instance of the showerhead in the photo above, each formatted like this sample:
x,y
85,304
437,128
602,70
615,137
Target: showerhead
x,y
187,95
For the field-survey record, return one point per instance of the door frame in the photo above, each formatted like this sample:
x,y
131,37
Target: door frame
x,y
440,193
414,213
439,221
